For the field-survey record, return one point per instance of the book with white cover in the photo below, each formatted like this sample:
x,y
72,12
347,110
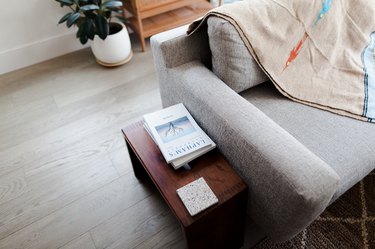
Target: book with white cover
x,y
197,196
177,134
181,161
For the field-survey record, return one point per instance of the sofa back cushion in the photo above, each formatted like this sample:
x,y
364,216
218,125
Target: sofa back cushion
x,y
231,61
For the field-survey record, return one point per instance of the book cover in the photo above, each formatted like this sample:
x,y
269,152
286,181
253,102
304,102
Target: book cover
x,y
175,132
181,161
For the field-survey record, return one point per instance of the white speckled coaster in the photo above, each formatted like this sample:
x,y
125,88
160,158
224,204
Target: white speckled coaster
x,y
197,196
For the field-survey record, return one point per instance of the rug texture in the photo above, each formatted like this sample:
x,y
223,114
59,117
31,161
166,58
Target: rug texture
x,y
317,52
348,223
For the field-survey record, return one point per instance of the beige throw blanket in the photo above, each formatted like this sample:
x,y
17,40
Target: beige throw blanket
x,y
317,52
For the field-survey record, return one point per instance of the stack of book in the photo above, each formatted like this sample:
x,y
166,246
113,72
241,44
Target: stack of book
x,y
178,136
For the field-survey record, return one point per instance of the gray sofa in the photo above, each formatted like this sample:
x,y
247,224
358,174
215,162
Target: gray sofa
x,y
295,159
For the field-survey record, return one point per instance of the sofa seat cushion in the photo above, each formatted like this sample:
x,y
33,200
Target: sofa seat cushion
x,y
231,61
346,144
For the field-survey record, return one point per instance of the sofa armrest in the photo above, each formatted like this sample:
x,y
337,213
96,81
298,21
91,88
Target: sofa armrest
x,y
289,186
173,48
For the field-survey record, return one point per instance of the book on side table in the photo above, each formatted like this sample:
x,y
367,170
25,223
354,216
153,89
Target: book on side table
x,y
178,136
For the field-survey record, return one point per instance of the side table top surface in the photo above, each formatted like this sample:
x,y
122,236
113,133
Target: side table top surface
x,y
219,175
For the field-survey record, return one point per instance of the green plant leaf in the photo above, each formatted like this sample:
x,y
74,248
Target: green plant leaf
x,y
65,17
83,39
90,29
72,19
85,30
89,7
107,1
101,25
90,14
81,30
80,21
112,4
114,9
65,2
107,14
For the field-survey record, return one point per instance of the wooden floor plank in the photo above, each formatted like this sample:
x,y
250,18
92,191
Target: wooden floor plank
x,y
37,126
6,104
99,80
47,78
170,237
51,191
82,242
25,114
111,121
64,167
121,160
134,225
56,229
127,95
12,185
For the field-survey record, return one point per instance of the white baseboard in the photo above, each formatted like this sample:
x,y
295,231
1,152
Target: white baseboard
x,y
39,51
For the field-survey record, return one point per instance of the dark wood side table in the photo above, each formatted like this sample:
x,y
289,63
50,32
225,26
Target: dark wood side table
x,y
220,226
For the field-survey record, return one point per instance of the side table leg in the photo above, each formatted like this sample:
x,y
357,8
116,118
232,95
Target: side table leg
x,y
138,169
140,33
222,228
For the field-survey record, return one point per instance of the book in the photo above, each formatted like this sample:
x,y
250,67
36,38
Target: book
x,y
197,196
179,137
179,162
190,157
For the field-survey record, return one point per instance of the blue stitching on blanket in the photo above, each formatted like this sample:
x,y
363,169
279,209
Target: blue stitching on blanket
x,y
366,93
368,60
326,6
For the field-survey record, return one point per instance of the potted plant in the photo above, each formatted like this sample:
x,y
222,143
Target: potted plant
x,y
111,43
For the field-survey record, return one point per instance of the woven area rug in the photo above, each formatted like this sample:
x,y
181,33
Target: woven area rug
x,y
347,223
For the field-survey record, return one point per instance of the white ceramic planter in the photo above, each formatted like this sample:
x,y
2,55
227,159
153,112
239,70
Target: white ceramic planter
x,y
115,50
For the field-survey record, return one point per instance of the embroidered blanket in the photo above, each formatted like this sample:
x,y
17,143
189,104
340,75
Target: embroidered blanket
x,y
317,52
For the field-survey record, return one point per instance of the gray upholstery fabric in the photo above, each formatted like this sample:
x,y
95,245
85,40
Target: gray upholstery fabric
x,y
171,53
231,61
346,144
283,197
295,159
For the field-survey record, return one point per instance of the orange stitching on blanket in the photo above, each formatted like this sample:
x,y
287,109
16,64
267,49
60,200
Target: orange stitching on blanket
x,y
326,7
295,51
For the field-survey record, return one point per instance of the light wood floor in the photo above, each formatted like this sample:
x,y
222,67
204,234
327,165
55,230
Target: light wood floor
x,y
66,180
65,176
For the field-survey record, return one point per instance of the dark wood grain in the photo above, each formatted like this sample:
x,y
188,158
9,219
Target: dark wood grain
x,y
220,226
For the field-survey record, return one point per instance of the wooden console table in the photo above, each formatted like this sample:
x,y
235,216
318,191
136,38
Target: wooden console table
x,y
220,226
150,17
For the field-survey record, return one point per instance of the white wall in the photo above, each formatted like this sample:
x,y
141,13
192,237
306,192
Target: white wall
x,y
29,33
